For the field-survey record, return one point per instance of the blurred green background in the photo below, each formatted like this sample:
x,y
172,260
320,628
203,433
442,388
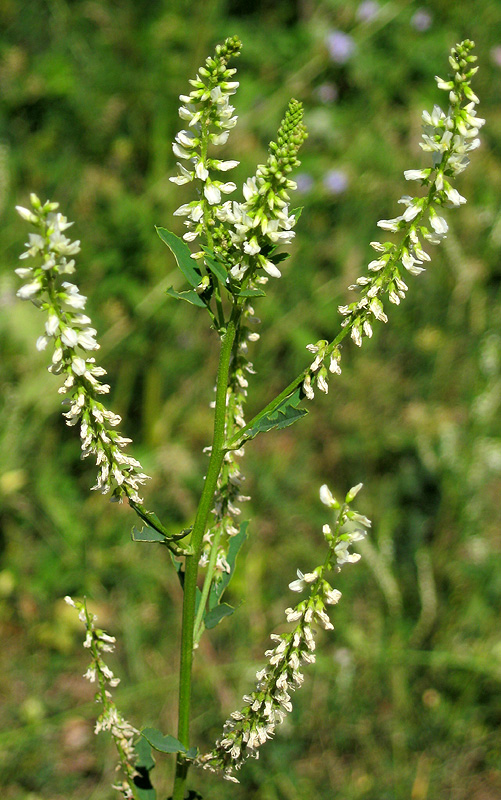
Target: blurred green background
x,y
404,700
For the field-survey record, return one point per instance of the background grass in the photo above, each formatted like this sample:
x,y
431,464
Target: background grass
x,y
404,699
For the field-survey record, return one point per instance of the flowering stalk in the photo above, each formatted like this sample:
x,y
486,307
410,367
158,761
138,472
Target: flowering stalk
x,y
247,729
449,138
110,719
69,331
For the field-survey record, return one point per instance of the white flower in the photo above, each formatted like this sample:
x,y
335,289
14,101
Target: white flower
x,y
27,215
390,224
224,166
356,335
353,492
271,269
307,388
212,194
343,556
332,596
322,383
42,342
416,174
201,171
252,247
327,497
29,290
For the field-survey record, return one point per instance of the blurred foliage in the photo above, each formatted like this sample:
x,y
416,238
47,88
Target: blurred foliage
x,y
404,700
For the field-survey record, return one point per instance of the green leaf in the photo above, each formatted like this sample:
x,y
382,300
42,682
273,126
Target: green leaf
x,y
215,615
276,259
236,543
215,266
282,415
182,254
192,752
164,744
146,535
146,792
296,212
189,295
144,764
144,755
251,293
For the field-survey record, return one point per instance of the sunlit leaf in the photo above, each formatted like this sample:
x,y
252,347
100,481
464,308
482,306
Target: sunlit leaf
x,y
251,293
189,295
146,535
182,254
285,413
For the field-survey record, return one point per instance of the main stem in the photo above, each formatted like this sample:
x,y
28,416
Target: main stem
x,y
191,567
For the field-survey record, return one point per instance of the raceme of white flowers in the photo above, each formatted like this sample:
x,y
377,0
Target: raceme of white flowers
x,y
247,729
110,719
449,137
242,236
70,332
241,233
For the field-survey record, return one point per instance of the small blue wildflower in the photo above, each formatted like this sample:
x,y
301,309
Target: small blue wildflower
x,y
304,183
368,10
340,46
336,181
421,20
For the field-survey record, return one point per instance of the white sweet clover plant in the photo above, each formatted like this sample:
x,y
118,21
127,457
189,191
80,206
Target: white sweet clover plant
x,y
237,245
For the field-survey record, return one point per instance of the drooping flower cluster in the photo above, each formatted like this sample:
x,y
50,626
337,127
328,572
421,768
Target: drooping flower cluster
x,y
70,332
110,719
246,730
449,138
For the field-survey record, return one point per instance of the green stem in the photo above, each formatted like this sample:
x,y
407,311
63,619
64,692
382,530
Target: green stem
x,y
197,632
191,569
229,426
239,437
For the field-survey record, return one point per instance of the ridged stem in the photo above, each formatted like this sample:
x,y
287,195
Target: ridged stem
x,y
191,568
